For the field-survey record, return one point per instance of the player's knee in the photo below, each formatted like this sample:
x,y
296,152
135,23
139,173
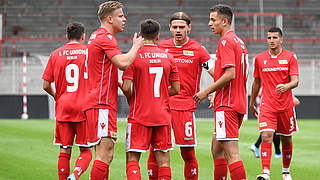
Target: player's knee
x,y
188,154
267,136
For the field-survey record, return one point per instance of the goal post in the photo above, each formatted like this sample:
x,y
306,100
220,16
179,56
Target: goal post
x,y
253,23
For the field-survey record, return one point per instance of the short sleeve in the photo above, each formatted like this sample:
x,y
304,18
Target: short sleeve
x,y
293,66
227,54
174,73
256,73
128,73
48,72
110,46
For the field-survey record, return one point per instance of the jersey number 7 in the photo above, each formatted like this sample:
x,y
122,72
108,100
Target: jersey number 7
x,y
156,87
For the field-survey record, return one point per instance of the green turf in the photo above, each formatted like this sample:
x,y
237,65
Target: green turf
x,y
27,152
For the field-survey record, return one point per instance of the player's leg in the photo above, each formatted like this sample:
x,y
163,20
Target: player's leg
x,y
102,130
64,136
184,127
276,142
267,126
161,135
191,163
64,163
132,168
286,127
138,138
220,162
227,125
152,165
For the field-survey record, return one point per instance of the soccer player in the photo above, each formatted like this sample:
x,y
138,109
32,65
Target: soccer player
x,y
230,75
154,77
104,59
190,57
67,70
276,70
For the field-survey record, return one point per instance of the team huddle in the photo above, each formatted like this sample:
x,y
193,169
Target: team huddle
x,y
161,84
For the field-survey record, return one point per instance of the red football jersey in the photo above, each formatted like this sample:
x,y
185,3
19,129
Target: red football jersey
x,y
232,52
274,70
189,58
67,69
103,75
151,72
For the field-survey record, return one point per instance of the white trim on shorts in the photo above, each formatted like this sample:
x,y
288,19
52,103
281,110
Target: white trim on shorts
x,y
263,130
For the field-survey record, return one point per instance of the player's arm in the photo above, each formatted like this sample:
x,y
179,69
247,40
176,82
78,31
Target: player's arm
x,y
254,93
174,89
48,88
123,61
294,81
228,75
125,86
296,101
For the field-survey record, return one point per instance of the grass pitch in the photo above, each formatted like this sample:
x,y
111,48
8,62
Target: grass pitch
x,y
27,152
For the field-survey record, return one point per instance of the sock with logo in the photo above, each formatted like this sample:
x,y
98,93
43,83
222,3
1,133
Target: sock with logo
x,y
99,170
82,163
164,173
63,165
133,171
266,153
191,163
237,171
286,156
152,166
220,169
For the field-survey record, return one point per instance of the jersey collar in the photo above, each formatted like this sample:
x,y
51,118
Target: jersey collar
x,y
70,43
276,56
182,44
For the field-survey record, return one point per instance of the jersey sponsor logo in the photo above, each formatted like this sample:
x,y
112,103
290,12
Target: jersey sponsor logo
x,y
187,61
188,53
283,61
263,124
224,42
275,69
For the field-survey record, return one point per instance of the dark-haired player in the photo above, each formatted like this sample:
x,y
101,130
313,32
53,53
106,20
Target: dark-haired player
x,y
277,71
230,102
66,68
154,77
190,57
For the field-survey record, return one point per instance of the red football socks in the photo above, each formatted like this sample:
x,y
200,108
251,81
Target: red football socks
x,y
152,166
133,171
99,170
237,171
164,173
63,166
266,153
220,169
286,156
191,163
82,163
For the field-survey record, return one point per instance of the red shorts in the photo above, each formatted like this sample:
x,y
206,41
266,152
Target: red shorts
x,y
284,123
65,132
139,138
184,128
227,125
101,123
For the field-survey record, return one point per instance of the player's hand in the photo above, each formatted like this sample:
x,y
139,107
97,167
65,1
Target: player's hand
x,y
254,110
138,41
199,96
281,88
211,98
